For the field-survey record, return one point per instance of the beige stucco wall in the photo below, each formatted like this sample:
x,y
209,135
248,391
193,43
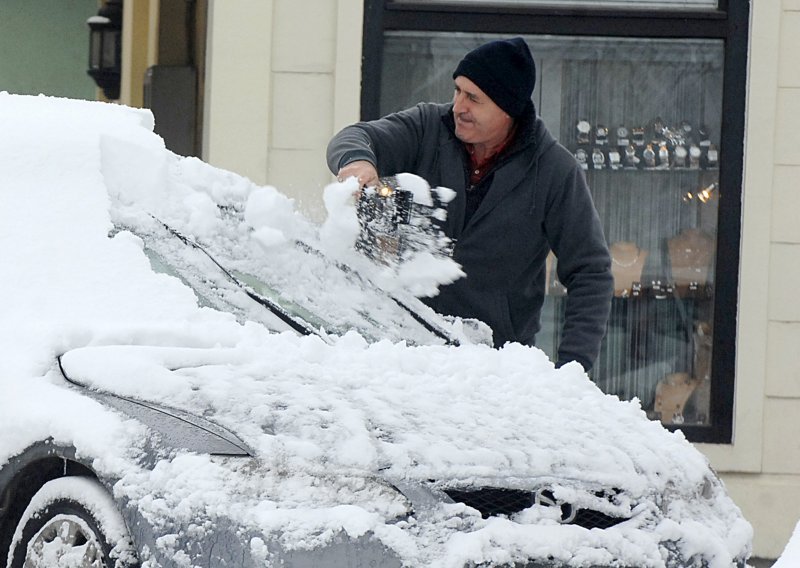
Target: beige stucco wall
x,y
137,49
283,75
762,467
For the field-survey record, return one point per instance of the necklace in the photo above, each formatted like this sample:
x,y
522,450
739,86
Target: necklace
x,y
628,264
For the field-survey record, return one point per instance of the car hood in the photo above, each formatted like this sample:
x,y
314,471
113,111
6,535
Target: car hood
x,y
414,413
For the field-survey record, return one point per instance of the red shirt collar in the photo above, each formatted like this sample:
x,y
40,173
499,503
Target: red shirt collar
x,y
479,169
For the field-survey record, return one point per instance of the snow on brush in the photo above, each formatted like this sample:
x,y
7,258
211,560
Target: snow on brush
x,y
422,268
332,419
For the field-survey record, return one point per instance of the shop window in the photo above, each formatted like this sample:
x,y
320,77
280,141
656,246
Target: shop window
x,y
649,4
656,119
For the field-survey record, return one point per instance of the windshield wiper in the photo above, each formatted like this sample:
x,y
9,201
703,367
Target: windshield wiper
x,y
296,324
422,320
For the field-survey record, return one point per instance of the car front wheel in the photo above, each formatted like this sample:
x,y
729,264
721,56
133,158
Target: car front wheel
x,y
71,522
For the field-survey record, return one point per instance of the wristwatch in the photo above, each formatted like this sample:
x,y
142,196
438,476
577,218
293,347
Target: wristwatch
x,y
649,156
680,154
712,157
583,128
601,135
703,137
638,135
631,160
622,136
663,155
694,156
613,159
582,157
598,158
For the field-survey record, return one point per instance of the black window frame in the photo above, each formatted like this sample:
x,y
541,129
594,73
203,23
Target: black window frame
x,y
729,22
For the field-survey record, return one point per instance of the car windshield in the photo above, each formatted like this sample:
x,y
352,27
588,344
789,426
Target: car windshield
x,y
294,286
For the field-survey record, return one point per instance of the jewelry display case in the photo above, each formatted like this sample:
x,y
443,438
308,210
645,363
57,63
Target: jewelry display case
x,y
643,117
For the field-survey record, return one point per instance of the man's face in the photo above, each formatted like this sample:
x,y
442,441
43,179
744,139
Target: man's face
x,y
478,119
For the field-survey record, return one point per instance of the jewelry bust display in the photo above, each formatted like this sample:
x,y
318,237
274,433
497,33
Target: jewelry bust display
x,y
690,253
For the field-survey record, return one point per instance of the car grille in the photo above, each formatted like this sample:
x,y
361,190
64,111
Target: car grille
x,y
492,501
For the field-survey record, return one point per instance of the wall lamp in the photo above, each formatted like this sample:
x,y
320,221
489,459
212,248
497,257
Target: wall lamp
x,y
105,48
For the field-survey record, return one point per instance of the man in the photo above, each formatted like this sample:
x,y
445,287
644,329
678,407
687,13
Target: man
x,y
519,194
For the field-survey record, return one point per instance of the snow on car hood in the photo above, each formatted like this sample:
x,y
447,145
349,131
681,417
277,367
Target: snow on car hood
x,y
428,412
466,417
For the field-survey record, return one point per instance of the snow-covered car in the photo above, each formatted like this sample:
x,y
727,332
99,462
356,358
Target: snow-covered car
x,y
194,374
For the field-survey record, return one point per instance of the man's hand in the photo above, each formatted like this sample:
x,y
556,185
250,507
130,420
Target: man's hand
x,y
362,170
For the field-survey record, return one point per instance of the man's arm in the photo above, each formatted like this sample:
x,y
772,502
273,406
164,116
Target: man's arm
x,y
584,267
390,145
350,153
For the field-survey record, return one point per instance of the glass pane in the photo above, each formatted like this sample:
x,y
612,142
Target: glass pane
x,y
110,48
621,4
644,117
95,49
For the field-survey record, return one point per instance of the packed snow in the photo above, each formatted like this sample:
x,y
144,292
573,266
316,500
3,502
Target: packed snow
x,y
791,554
334,418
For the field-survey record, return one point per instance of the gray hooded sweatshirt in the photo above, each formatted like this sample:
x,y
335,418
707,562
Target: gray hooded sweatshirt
x,y
535,200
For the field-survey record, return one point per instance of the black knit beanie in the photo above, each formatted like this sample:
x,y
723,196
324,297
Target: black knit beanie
x,y
504,70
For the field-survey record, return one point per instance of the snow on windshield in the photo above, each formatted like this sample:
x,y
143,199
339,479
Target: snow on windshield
x,y
72,173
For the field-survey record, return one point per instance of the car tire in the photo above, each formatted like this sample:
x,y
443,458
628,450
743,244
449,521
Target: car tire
x,y
71,516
